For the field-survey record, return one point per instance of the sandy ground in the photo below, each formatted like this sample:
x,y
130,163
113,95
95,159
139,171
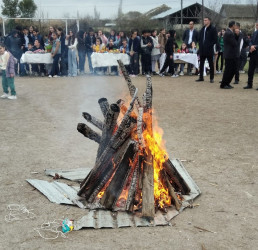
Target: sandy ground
x,y
214,130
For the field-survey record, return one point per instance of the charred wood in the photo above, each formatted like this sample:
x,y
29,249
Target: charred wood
x,y
104,106
108,127
165,180
93,120
88,132
118,182
130,85
177,181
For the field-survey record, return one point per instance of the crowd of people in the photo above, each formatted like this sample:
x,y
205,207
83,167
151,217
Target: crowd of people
x,y
152,50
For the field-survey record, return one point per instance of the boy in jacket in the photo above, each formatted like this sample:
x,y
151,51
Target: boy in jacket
x,y
7,65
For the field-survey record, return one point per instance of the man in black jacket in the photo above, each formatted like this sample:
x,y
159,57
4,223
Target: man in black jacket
x,y
231,52
90,40
208,37
253,58
146,48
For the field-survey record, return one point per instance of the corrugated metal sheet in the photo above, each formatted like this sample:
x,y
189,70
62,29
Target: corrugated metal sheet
x,y
58,192
61,193
78,174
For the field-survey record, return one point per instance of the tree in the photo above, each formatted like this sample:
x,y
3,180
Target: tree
x,y
10,8
27,8
120,12
96,14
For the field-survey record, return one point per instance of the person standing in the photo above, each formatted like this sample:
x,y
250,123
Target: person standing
x,y
64,51
56,54
81,51
190,35
90,40
221,51
162,39
169,49
14,45
146,48
207,38
7,65
253,58
134,50
240,42
155,53
72,54
231,51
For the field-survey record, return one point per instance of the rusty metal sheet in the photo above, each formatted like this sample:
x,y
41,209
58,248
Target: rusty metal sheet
x,y
77,175
57,192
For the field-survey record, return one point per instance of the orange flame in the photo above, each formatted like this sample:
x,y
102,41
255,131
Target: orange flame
x,y
156,146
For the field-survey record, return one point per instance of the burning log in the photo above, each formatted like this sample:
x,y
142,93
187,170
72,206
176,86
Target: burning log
x,y
164,178
88,132
132,170
177,181
117,183
148,204
130,85
108,127
104,106
93,120
104,163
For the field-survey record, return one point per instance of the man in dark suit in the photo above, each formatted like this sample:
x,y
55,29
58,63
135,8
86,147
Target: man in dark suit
x,y
253,58
208,37
231,53
190,35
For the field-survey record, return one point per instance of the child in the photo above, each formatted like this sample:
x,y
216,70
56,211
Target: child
x,y
99,47
7,65
185,50
194,50
56,54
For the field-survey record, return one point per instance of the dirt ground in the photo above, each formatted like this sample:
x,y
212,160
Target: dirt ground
x,y
214,131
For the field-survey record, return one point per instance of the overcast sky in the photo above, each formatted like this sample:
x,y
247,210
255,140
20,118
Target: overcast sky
x,y
108,8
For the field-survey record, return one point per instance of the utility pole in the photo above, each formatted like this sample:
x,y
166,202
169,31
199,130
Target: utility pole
x,y
181,14
202,11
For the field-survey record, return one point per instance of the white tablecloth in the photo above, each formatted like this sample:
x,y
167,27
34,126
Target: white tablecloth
x,y
37,58
188,58
108,59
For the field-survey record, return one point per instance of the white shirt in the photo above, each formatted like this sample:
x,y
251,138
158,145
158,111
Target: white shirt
x,y
26,41
190,36
4,60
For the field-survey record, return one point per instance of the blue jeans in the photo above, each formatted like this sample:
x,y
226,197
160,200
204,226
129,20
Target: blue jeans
x,y
72,63
55,66
82,57
89,53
